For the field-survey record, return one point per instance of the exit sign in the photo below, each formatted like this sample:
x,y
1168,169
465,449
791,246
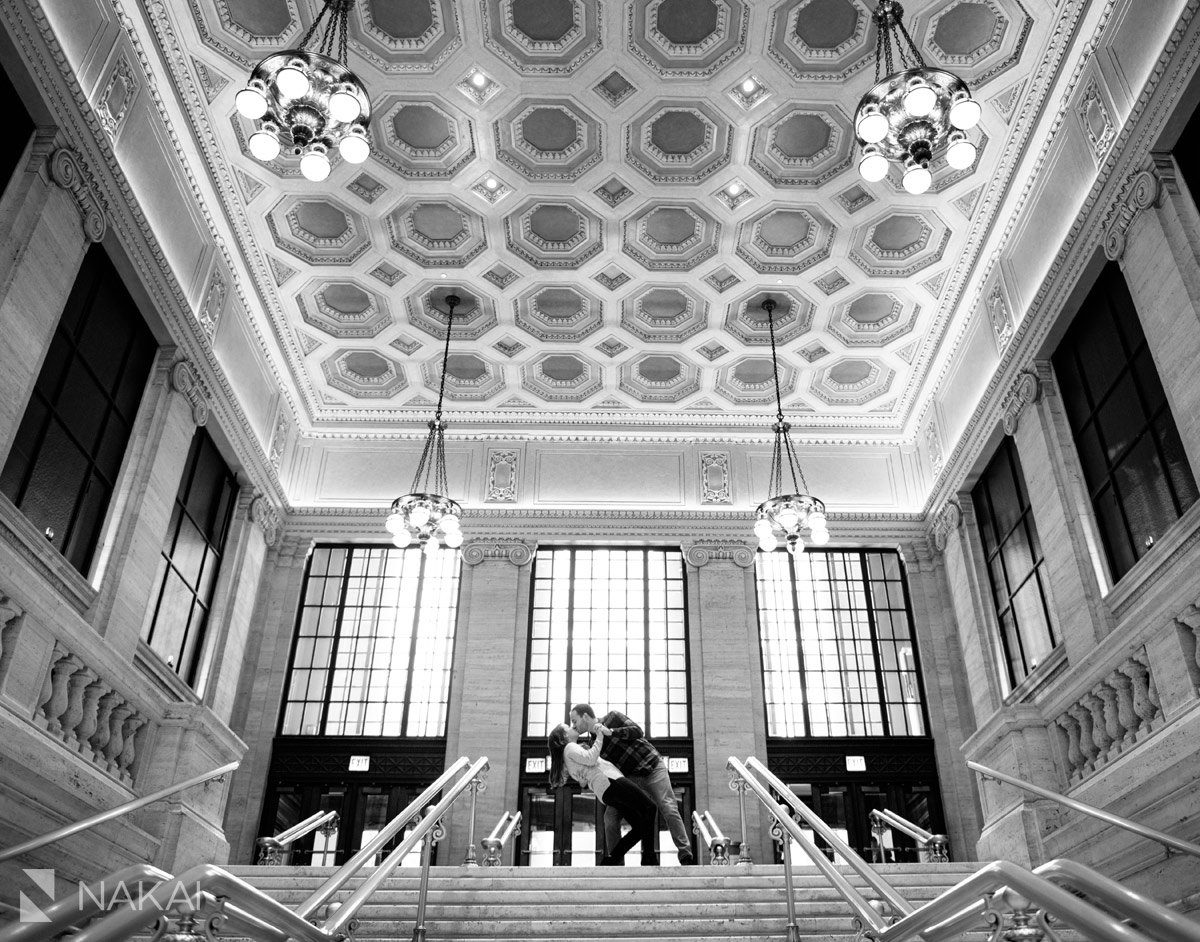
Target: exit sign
x,y
360,763
856,763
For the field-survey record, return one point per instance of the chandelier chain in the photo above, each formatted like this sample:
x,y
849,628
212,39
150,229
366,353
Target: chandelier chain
x,y
783,438
452,301
335,29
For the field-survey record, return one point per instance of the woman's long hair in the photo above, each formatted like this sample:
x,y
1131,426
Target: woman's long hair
x,y
557,742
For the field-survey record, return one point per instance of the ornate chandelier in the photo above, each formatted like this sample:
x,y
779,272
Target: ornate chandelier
x,y
426,516
909,115
307,102
787,516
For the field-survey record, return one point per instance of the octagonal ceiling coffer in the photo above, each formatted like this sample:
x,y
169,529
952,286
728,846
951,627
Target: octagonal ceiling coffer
x,y
558,312
826,24
421,127
545,21
542,37
559,233
428,311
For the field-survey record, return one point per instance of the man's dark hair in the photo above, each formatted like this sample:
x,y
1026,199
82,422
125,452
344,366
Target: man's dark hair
x,y
583,710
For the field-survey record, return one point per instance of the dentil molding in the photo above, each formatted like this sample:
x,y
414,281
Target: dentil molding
x,y
68,171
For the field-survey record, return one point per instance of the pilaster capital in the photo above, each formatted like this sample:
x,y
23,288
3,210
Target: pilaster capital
x,y
68,171
1142,190
265,514
185,381
516,552
1025,390
291,548
918,556
945,522
701,554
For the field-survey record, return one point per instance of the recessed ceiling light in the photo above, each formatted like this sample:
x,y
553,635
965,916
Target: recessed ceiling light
x,y
733,189
749,86
478,79
491,183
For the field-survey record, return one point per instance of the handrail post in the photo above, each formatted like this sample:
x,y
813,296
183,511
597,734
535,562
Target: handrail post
x,y
477,785
432,836
270,852
785,846
738,784
878,830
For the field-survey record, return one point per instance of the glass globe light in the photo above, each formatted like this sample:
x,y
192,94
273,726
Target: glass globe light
x,y
768,543
251,103
449,523
344,106
395,523
917,179
788,518
264,145
478,79
960,154
292,82
418,515
454,539
873,167
919,100
872,127
965,113
819,537
762,527
402,539
749,86
354,149
816,521
314,164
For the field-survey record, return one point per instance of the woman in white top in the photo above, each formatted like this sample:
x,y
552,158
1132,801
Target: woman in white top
x,y
568,758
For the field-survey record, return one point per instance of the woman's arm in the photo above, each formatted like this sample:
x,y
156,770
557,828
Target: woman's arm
x,y
580,756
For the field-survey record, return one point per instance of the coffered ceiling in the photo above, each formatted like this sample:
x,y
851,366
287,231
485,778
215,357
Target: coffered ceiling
x,y
613,206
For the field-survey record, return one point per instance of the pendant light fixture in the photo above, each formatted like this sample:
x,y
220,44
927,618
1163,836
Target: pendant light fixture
x,y
425,515
787,516
306,101
910,115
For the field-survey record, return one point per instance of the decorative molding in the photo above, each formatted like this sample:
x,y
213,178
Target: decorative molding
x,y
516,552
502,471
283,425
701,554
933,447
209,314
945,522
263,512
999,317
185,381
1025,390
1142,190
69,172
714,478
113,118
1095,119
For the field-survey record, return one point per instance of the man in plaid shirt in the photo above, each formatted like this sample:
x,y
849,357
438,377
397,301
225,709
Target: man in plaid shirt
x,y
626,747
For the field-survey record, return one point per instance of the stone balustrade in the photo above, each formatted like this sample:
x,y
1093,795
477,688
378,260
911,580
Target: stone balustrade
x,y
89,716
1119,711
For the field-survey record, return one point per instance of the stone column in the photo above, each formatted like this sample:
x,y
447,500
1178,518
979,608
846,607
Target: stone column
x,y
1034,416
255,712
728,703
255,526
946,694
487,697
1154,233
46,231
173,405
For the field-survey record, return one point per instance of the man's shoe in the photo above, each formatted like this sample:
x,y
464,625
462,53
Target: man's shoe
x,y
687,858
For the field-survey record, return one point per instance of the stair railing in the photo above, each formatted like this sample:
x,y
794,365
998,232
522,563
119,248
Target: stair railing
x,y
507,827
1161,837
206,899
899,905
272,849
113,813
936,846
712,838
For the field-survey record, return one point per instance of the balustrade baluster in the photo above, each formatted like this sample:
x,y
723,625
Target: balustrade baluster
x,y
56,704
1111,726
1075,757
1095,706
103,731
89,709
71,716
129,753
1125,714
116,742
1087,743
1139,676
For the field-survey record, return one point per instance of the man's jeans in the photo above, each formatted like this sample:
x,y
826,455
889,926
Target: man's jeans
x,y
656,784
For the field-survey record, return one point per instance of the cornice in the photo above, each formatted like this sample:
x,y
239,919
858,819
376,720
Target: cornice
x,y
753,438
32,33
1129,153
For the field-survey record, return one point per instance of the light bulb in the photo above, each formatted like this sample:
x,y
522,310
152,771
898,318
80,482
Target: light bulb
x,y
251,103
788,518
919,100
749,86
354,149
449,523
418,515
873,167
762,527
430,548
917,180
454,539
816,520
478,79
733,189
264,145
292,82
872,127
965,113
315,166
401,539
768,544
395,523
960,154
344,106
491,183
820,537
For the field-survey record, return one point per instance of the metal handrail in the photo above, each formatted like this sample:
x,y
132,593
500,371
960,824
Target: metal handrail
x,y
716,842
271,848
1163,923
863,910
938,845
112,813
493,845
877,883
339,879
1161,837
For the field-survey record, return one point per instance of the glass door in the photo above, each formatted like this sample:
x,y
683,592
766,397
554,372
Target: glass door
x,y
560,828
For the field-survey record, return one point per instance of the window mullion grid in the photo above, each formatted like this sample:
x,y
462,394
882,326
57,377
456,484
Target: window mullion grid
x,y
867,585
337,641
412,644
570,678
804,711
1009,593
646,669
